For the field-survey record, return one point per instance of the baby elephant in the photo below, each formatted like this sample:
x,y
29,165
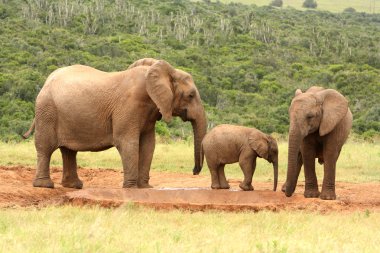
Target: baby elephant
x,y
227,144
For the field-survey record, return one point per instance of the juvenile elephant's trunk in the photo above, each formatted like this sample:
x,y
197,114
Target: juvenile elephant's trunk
x,y
199,127
295,139
275,173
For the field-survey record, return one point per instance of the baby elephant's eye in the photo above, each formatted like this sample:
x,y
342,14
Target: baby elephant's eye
x,y
309,116
192,94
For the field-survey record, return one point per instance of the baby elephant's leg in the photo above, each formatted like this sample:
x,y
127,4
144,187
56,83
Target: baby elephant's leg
x,y
214,174
222,178
248,165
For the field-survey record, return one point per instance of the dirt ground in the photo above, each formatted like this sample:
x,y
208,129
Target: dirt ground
x,y
174,191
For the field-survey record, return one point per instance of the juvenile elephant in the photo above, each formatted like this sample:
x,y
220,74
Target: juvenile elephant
x,y
80,108
226,144
320,122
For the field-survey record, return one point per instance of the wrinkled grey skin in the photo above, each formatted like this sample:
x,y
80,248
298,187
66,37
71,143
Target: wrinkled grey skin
x,y
226,144
80,108
320,122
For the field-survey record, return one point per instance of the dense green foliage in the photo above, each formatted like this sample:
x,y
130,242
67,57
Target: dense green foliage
x,y
247,61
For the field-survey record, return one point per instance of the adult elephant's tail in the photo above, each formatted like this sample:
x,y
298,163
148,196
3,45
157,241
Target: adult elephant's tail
x,y
27,134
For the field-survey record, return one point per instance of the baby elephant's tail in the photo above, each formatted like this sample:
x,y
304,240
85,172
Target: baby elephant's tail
x,y
27,134
196,171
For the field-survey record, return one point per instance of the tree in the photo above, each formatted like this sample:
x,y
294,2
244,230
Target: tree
x,y
310,4
349,10
276,3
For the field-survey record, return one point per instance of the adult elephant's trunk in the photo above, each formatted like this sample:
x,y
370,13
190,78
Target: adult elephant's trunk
x,y
200,129
275,174
295,138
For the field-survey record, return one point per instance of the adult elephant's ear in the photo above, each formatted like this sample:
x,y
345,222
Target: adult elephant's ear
x,y
334,108
160,87
259,143
143,62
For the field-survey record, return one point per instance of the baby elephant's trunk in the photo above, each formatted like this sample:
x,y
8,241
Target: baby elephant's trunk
x,y
275,172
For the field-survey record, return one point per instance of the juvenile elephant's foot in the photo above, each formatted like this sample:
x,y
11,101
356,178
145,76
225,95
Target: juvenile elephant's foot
x,y
72,183
328,195
144,185
246,187
43,182
311,193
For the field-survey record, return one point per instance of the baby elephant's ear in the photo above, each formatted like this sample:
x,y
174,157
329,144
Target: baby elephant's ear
x,y
259,143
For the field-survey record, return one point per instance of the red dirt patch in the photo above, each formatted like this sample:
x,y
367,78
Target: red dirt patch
x,y
174,191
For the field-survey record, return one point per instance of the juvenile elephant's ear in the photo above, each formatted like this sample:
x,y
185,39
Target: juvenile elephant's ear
x,y
298,91
160,87
259,143
143,62
334,108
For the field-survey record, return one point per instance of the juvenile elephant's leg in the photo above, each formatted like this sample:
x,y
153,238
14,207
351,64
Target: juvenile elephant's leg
x,y
42,178
248,165
213,166
328,187
147,145
311,182
45,143
299,166
70,177
222,178
129,152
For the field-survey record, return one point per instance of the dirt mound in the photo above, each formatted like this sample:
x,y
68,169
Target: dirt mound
x,y
173,191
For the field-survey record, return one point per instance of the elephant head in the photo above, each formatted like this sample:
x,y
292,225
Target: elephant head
x,y
318,109
175,94
266,147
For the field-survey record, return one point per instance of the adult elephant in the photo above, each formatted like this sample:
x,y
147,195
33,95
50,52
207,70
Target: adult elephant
x,y
320,122
81,108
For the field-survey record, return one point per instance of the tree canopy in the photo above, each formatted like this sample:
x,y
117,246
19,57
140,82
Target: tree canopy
x,y
247,61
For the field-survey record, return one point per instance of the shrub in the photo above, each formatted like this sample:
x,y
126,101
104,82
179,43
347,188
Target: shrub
x,y
276,3
310,4
349,10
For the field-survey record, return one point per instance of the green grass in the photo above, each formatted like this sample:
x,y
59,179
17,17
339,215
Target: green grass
x,y
358,162
326,5
132,229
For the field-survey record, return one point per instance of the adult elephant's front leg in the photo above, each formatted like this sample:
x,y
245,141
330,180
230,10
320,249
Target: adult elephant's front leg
x,y
129,152
147,145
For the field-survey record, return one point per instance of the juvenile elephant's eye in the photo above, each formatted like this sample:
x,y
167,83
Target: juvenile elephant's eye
x,y
309,116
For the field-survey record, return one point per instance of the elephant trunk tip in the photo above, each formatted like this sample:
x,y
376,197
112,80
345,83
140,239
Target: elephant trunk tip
x,y
197,170
289,192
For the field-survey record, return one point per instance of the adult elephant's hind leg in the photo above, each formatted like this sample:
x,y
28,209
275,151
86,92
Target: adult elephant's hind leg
x,y
70,177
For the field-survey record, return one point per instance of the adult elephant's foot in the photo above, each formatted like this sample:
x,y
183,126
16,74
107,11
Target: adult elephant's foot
x,y
311,193
43,182
246,187
72,183
328,195
130,184
224,186
215,186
